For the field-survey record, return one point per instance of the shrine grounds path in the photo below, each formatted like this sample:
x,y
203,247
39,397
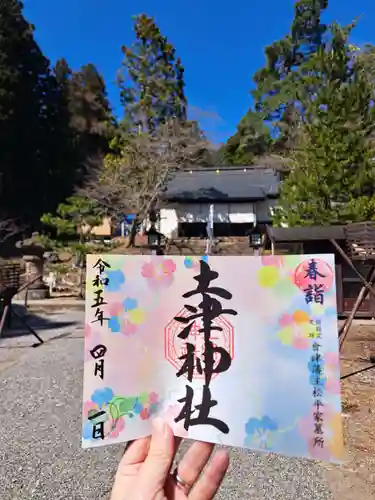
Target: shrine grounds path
x,y
40,454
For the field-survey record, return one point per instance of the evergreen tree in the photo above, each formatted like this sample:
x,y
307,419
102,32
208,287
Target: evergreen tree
x,y
86,107
286,56
151,79
251,140
62,136
332,178
90,110
25,86
51,122
273,123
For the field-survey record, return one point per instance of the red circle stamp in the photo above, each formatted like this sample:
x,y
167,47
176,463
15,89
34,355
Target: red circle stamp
x,y
174,347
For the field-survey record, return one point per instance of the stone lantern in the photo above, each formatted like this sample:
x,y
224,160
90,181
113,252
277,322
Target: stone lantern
x,y
33,256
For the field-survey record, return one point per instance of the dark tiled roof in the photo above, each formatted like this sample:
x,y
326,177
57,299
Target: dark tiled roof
x,y
284,234
223,184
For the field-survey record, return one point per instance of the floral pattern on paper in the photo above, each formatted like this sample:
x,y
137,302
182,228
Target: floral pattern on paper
x,y
295,329
159,273
332,372
114,409
194,262
260,432
116,278
126,317
100,401
276,327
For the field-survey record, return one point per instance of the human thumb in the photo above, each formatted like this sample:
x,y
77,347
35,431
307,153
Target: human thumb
x,y
156,467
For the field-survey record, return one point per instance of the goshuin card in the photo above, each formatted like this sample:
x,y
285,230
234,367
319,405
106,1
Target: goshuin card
x,y
241,351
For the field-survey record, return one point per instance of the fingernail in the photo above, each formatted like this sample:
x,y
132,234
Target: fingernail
x,y
160,426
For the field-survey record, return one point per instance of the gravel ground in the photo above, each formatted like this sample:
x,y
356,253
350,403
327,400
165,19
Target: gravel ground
x,y
40,454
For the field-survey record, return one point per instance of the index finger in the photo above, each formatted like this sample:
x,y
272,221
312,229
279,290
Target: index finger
x,y
135,451
157,465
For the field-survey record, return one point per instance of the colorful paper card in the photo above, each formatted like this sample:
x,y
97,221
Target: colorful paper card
x,y
240,351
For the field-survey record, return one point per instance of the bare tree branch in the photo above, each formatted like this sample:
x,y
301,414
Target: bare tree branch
x,y
134,181
8,228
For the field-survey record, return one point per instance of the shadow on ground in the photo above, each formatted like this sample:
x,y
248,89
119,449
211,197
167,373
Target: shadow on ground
x,y
47,322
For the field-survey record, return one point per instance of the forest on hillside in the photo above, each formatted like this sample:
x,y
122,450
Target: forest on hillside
x,y
63,154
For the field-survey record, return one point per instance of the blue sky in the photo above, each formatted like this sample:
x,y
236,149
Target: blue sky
x,y
220,43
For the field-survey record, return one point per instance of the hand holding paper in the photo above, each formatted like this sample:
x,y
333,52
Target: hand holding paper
x,y
240,351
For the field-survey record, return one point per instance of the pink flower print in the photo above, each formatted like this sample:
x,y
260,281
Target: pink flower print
x,y
169,266
118,426
272,260
134,316
159,273
301,335
148,270
145,414
126,317
285,320
115,308
332,359
332,384
300,343
295,335
88,406
169,415
128,328
112,427
332,369
153,398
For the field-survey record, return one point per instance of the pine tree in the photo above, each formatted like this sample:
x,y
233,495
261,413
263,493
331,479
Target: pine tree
x,y
272,124
151,79
251,140
332,178
286,56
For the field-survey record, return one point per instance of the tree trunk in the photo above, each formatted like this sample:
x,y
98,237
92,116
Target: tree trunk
x,y
133,234
81,282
